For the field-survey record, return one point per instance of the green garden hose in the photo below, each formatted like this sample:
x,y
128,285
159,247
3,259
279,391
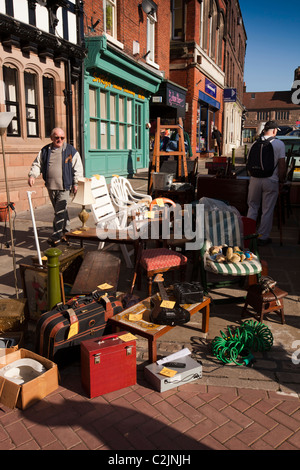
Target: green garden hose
x,y
237,345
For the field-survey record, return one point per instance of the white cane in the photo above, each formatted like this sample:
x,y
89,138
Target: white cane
x,y
34,227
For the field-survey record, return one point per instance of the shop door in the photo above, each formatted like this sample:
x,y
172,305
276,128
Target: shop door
x,y
140,136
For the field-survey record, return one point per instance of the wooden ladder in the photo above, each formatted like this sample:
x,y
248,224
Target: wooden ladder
x,y
157,153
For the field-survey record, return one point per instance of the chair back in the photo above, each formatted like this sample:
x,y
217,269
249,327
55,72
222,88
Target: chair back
x,y
103,207
222,228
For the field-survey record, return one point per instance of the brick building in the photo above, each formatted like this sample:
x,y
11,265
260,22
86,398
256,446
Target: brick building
x,y
41,53
267,105
235,48
207,57
126,82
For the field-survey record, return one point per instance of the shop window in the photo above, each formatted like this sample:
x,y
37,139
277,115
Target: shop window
x,y
31,106
177,19
49,114
111,120
10,78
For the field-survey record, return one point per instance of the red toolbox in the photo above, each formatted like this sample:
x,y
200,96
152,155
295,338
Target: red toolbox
x,y
108,363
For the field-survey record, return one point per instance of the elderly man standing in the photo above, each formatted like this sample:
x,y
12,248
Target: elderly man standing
x,y
60,165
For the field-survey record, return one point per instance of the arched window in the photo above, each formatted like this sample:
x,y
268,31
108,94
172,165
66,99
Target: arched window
x,y
11,88
48,96
31,104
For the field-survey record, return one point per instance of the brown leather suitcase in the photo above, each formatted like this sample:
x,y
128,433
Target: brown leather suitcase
x,y
67,325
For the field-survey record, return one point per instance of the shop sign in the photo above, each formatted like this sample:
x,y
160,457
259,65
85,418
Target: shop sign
x,y
229,95
175,99
109,84
210,88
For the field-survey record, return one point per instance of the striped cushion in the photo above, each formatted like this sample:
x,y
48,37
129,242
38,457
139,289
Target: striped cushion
x,y
158,258
223,228
244,268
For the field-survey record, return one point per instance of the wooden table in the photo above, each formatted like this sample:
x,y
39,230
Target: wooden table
x,y
98,267
151,331
90,235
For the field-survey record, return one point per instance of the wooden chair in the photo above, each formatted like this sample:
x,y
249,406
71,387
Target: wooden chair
x,y
157,260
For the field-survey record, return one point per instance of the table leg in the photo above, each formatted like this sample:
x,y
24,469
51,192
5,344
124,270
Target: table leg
x,y
152,349
205,319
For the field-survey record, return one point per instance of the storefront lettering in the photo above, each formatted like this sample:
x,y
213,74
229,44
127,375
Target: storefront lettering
x,y
175,99
107,83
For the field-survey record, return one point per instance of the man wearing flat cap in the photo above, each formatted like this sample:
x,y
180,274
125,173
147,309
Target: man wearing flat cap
x,y
263,191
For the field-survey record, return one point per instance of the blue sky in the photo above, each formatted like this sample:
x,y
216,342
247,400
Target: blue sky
x,y
273,44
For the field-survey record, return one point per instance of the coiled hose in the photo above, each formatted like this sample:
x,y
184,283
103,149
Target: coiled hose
x,y
239,342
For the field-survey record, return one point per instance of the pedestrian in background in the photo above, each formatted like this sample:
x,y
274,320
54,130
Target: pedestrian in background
x,y
60,165
217,136
263,191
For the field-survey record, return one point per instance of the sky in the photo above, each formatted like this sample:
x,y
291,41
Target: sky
x,y
273,43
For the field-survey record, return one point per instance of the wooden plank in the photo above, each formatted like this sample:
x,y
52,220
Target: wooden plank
x,y
97,268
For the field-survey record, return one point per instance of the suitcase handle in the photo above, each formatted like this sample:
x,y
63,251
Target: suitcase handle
x,y
108,337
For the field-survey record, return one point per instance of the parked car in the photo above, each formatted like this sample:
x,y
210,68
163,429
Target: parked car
x,y
284,130
294,133
292,147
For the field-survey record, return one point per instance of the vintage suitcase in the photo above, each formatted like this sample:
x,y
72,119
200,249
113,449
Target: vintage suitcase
x,y
108,363
191,370
68,324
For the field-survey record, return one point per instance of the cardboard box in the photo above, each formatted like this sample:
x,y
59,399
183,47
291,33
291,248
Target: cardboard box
x,y
25,395
17,336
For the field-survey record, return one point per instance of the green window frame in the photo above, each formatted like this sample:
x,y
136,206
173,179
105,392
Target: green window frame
x,y
111,119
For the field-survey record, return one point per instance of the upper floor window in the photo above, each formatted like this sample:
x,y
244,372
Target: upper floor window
x,y
204,24
213,31
177,19
151,21
10,78
110,17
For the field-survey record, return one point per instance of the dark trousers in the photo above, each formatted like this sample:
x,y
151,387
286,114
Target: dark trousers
x,y
59,200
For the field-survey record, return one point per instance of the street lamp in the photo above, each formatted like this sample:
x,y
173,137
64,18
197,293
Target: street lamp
x,y
5,120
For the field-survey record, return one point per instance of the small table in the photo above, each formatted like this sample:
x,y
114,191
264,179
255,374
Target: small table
x,y
151,331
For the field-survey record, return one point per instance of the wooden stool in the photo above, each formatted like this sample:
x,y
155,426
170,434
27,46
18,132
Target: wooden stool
x,y
265,303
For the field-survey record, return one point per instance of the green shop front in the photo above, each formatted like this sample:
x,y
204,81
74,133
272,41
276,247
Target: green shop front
x,y
117,91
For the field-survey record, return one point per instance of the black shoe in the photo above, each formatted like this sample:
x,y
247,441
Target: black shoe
x,y
52,242
264,241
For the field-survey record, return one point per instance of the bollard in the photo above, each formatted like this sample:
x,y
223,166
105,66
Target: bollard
x,y
233,158
53,284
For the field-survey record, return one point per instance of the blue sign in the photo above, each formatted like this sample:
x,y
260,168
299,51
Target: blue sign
x,y
229,95
210,88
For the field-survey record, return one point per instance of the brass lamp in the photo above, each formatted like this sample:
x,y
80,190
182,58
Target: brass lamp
x,y
84,197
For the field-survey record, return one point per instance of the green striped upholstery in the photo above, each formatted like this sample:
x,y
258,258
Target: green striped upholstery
x,y
222,228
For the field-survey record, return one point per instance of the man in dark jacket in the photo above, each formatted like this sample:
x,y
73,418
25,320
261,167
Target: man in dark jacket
x,y
60,165
216,135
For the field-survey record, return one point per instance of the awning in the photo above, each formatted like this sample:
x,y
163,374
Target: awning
x,y
102,57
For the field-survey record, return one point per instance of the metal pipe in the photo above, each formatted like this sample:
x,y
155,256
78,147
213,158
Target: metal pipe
x,y
34,228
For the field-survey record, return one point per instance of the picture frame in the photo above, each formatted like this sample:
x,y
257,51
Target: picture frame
x,y
34,283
